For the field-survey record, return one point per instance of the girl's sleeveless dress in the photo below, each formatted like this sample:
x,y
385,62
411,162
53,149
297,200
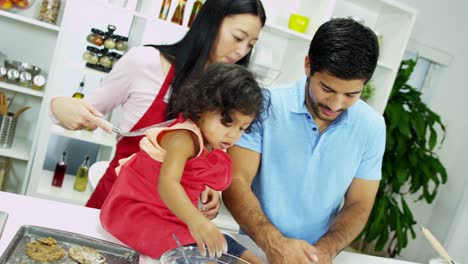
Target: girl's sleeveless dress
x,y
135,213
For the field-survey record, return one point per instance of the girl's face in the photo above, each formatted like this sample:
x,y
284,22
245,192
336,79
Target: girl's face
x,y
236,38
219,136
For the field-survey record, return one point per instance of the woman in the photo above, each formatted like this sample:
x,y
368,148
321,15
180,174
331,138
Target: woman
x,y
146,80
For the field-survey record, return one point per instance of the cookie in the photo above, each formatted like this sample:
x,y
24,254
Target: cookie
x,y
44,250
86,255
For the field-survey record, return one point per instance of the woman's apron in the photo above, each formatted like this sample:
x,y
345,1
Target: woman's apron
x,y
127,146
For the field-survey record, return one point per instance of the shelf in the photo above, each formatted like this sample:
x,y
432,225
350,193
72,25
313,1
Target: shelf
x,y
287,33
66,193
19,149
20,89
29,20
384,65
97,137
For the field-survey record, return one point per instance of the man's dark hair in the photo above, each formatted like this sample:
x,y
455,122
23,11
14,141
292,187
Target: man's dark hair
x,y
345,49
190,55
222,87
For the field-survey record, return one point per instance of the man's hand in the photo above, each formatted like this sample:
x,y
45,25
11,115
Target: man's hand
x,y
287,250
211,203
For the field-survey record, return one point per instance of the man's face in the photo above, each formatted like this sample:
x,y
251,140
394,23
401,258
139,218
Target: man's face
x,y
328,96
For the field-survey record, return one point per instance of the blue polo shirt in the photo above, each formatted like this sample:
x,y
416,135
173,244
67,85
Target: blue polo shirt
x,y
304,174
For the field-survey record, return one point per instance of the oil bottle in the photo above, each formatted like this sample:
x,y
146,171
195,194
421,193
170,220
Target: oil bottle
x,y
81,179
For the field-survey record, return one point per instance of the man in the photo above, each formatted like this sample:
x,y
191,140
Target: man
x,y
318,146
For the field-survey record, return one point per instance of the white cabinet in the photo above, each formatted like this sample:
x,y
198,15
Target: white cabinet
x,y
279,53
25,39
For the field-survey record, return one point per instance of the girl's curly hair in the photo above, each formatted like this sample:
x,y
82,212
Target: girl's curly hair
x,y
222,87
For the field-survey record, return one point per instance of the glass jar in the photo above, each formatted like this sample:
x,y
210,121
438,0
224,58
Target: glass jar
x,y
121,43
49,11
91,55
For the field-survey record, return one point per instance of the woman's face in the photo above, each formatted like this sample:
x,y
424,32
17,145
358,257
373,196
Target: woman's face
x,y
236,38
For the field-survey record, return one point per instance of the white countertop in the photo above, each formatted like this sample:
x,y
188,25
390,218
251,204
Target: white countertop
x,y
24,210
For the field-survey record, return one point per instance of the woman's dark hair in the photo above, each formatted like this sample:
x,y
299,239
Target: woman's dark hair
x,y
191,54
345,49
222,87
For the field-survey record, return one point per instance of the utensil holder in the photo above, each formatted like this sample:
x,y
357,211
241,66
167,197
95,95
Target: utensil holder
x,y
7,130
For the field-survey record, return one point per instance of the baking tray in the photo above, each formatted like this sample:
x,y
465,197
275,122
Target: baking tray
x,y
15,252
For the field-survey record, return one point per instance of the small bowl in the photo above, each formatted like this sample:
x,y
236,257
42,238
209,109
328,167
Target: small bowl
x,y
298,23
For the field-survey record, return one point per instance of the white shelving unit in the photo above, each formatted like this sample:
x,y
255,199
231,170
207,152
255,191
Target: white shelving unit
x,y
29,20
19,89
66,193
19,150
26,39
279,49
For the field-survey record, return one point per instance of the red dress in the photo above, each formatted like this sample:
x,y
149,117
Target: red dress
x,y
127,146
135,213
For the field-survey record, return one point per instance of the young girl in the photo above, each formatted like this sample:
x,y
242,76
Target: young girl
x,y
156,192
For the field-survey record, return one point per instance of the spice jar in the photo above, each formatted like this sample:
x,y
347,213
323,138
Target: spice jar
x,y
3,73
38,82
109,43
91,55
12,75
121,44
49,11
25,79
105,61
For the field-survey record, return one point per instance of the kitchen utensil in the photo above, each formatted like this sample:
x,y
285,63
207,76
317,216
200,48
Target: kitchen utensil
x,y
3,104
141,131
11,101
7,130
179,247
20,111
436,245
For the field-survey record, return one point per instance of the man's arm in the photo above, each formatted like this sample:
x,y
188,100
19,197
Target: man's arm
x,y
246,210
350,221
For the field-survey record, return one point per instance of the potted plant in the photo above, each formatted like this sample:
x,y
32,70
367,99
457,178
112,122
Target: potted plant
x,y
410,165
368,90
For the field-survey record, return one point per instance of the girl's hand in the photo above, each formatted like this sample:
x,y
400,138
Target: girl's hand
x,y
75,114
208,237
211,203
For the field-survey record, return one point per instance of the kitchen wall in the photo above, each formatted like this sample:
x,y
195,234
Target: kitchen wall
x,y
442,25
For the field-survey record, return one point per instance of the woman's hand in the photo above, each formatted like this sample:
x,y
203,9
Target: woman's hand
x,y
75,114
211,203
208,236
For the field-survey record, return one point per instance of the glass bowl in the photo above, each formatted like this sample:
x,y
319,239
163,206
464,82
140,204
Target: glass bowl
x,y
11,5
193,256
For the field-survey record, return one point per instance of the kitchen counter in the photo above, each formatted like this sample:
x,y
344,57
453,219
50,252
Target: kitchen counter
x,y
24,210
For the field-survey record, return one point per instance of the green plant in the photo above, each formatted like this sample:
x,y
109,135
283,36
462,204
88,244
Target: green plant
x,y
410,165
368,90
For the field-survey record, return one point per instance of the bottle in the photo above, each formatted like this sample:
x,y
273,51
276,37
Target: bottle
x,y
166,5
79,93
81,179
196,7
59,173
178,16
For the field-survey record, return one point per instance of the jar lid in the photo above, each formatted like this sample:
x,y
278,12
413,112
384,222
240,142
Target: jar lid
x,y
97,31
93,49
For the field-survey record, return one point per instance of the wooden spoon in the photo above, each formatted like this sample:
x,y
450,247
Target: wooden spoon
x,y
20,111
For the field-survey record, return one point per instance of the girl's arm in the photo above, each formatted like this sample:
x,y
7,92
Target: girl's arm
x,y
181,145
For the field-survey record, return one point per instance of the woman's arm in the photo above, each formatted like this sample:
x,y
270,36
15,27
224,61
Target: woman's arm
x,y
181,146
138,70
